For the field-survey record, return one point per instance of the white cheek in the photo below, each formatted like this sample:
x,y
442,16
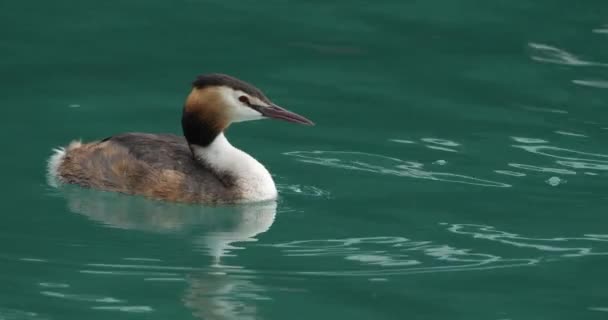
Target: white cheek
x,y
238,110
244,113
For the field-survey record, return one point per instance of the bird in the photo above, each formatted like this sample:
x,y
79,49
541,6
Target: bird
x,y
201,166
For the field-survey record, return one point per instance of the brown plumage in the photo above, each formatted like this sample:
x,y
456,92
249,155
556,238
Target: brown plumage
x,y
153,165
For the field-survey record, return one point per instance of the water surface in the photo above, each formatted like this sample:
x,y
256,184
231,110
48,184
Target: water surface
x,y
457,169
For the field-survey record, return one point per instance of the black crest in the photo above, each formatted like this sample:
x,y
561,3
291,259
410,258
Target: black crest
x,y
218,79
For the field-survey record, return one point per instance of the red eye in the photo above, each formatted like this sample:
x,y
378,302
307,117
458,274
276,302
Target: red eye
x,y
244,99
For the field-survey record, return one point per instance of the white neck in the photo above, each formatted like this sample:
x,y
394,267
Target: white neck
x,y
252,178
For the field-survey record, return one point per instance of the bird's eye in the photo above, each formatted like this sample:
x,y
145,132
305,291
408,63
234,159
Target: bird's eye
x,y
244,99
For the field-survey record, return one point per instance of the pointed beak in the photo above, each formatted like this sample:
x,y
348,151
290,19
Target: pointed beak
x,y
276,112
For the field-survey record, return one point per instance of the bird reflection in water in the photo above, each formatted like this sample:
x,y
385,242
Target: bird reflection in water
x,y
215,291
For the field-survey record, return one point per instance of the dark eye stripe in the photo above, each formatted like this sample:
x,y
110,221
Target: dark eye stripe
x,y
245,100
256,107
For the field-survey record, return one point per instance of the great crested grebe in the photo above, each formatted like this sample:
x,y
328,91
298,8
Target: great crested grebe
x,y
200,167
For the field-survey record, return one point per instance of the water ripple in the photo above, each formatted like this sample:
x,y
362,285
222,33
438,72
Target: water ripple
x,y
140,267
510,173
528,140
441,142
33,260
563,246
433,143
565,157
601,84
583,165
547,110
80,297
441,148
402,141
128,273
15,314
142,259
550,54
571,134
540,169
384,256
53,285
174,279
602,30
129,309
379,164
303,190
564,154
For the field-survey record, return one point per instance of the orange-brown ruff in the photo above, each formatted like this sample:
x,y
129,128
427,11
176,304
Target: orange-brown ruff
x,y
201,166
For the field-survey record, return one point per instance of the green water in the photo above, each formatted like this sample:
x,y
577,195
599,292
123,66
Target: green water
x,y
457,169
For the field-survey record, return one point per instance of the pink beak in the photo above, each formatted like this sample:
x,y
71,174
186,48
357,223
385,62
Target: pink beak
x,y
277,112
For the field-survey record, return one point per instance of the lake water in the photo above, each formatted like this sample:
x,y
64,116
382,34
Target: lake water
x,y
458,168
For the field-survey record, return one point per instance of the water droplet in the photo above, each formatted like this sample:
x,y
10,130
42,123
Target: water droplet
x,y
555,181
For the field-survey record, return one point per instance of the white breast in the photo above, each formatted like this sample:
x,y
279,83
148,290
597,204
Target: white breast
x,y
252,178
